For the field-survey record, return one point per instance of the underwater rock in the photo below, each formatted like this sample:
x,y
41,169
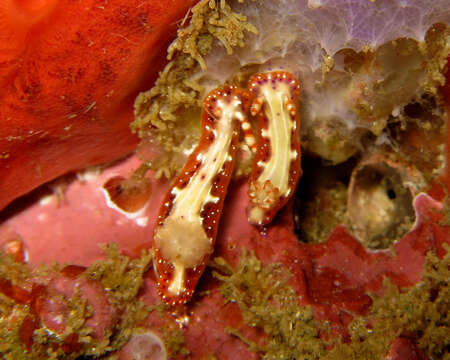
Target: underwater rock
x,y
265,294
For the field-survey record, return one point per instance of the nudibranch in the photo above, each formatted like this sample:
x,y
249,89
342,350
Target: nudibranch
x,y
276,165
189,216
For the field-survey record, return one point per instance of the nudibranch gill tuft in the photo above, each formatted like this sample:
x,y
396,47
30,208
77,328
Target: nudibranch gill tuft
x,y
189,216
276,165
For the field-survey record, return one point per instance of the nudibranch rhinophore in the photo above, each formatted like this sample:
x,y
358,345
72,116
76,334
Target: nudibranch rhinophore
x,y
276,165
189,216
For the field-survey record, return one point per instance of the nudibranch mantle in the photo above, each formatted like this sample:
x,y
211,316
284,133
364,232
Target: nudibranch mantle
x,y
189,217
276,167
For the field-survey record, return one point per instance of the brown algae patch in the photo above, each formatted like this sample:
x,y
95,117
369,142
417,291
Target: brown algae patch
x,y
446,208
120,276
420,313
164,114
268,302
123,278
21,336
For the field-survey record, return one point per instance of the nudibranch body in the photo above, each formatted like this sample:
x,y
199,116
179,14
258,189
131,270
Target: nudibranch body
x,y
276,166
189,216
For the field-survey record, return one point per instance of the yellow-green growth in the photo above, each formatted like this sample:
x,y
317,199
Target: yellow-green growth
x,y
161,114
268,302
120,276
422,313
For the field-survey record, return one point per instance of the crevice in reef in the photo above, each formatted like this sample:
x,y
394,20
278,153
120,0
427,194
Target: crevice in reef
x,y
372,196
372,192
321,200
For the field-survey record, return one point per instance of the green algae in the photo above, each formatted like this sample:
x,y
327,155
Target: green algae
x,y
420,313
